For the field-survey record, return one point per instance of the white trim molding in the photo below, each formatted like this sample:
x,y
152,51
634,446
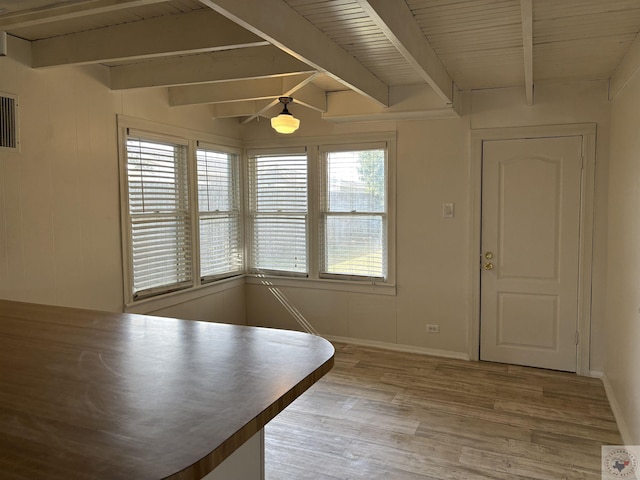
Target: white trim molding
x,y
396,347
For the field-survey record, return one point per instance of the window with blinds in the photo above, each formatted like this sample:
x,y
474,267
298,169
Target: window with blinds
x,y
353,216
219,214
161,256
322,212
278,209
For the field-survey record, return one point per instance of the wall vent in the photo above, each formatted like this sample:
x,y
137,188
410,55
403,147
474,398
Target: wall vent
x,y
9,139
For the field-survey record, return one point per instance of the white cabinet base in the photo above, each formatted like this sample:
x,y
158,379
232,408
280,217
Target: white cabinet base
x,y
246,463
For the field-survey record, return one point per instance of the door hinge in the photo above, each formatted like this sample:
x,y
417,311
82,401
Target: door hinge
x,y
577,338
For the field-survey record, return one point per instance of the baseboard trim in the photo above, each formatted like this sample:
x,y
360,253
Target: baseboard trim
x,y
617,413
398,347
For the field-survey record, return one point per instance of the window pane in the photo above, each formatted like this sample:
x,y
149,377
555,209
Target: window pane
x,y
161,249
220,245
160,224
354,213
354,245
218,181
278,200
280,243
356,181
280,183
219,213
157,183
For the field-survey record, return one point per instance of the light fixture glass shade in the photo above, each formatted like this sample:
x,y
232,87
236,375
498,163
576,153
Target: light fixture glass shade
x,y
285,123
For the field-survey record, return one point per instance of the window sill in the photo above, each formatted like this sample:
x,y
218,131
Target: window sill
x,y
322,284
152,304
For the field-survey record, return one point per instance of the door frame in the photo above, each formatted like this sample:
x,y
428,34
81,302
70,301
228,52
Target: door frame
x,y
588,133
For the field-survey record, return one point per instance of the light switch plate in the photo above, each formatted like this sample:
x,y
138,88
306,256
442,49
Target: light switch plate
x,y
448,210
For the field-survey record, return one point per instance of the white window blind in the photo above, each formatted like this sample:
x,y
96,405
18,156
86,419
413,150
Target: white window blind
x,y
353,217
278,212
159,213
219,213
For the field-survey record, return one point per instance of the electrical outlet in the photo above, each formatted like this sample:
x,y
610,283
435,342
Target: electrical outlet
x,y
433,328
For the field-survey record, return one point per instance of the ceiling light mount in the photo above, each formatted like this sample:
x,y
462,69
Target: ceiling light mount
x,y
285,122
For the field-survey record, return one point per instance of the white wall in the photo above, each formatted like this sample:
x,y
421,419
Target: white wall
x,y
433,264
622,366
59,197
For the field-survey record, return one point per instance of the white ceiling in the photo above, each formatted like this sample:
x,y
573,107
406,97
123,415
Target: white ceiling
x,y
239,56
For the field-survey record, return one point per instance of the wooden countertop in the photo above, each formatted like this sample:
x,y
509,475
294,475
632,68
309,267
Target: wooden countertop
x,y
95,395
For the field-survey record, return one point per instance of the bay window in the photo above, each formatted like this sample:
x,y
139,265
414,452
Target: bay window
x,y
314,213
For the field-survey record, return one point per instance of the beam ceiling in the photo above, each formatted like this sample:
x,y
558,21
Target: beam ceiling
x,y
282,26
193,32
58,11
399,25
255,62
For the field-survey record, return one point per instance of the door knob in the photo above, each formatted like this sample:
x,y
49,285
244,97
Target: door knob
x,y
488,255
488,266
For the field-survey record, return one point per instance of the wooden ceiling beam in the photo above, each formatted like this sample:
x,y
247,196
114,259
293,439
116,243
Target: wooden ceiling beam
x,y
234,91
66,11
399,25
249,108
282,26
311,96
254,62
408,102
193,32
290,89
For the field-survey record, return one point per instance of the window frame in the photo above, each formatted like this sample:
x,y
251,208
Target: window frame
x,y
314,279
198,287
252,211
183,204
239,213
324,212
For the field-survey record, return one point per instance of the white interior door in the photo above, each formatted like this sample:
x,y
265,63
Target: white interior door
x,y
530,251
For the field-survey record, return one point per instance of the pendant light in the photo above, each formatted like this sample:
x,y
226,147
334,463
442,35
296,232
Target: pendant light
x,y
285,122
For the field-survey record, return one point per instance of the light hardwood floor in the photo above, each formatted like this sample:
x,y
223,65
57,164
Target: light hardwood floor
x,y
388,415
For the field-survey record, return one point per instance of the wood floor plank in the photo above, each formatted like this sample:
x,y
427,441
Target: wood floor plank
x,y
571,443
607,436
393,415
577,416
551,451
524,467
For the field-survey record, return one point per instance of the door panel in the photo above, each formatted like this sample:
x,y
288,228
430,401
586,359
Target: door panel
x,y
537,320
530,247
528,236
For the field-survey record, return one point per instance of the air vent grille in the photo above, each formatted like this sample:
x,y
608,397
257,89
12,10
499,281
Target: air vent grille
x,y
8,122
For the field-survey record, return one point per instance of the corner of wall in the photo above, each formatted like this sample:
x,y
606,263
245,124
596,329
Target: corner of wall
x,y
625,431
